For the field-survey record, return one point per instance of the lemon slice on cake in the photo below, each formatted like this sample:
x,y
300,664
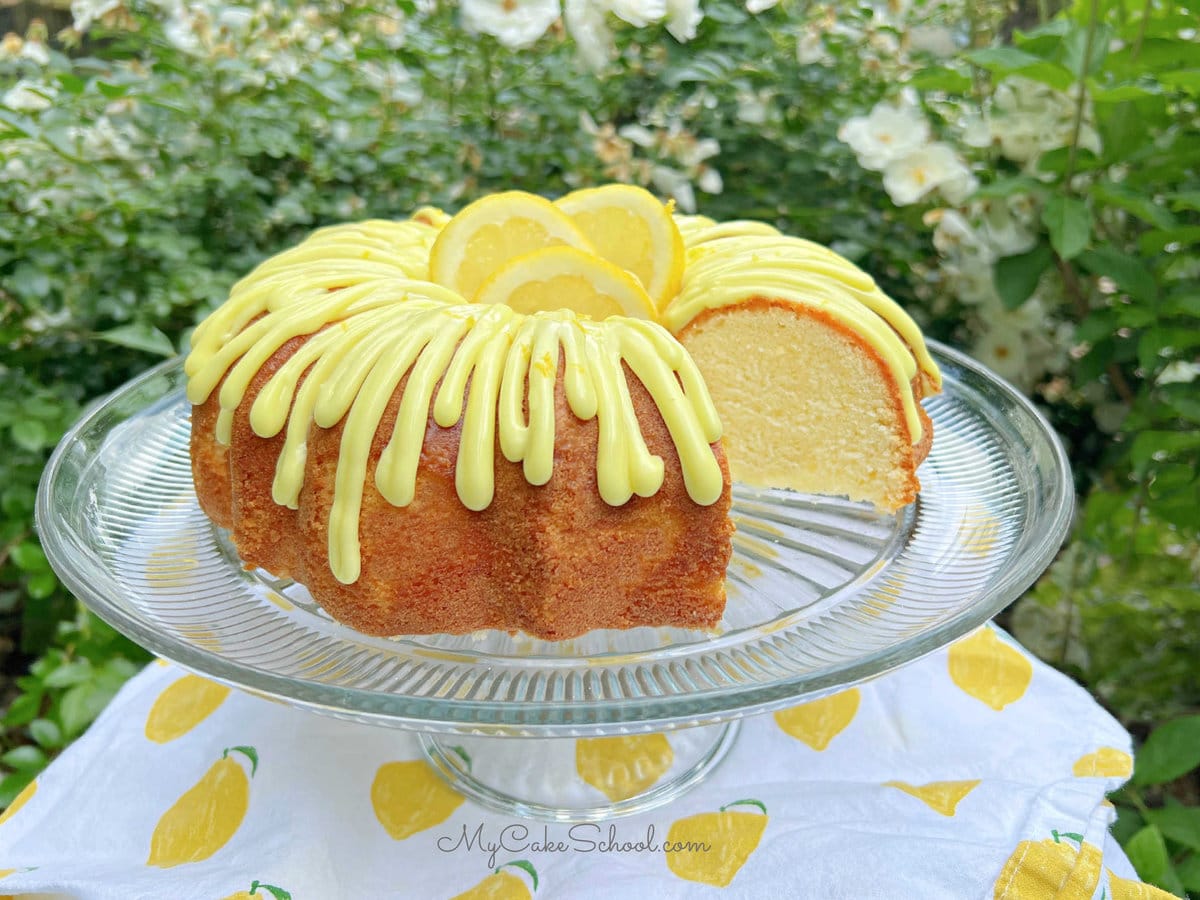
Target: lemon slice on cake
x,y
630,228
567,278
488,233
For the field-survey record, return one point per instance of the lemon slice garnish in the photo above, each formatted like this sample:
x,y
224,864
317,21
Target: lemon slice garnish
x,y
566,278
490,232
631,229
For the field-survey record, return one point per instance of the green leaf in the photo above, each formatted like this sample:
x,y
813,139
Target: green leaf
x,y
112,91
72,84
1011,61
1172,749
1015,184
1016,277
30,435
1184,79
1148,852
25,758
1122,130
1134,202
1121,92
1129,272
41,585
940,78
82,703
1075,45
1153,243
139,336
1189,872
75,672
29,557
1185,200
46,733
1069,224
14,784
1178,823
1055,161
24,709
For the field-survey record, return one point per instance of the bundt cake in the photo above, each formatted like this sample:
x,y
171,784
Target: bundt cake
x,y
424,463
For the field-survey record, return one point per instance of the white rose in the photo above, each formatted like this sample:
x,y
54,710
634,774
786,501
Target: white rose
x,y
710,181
934,39
912,177
23,97
515,23
888,134
638,134
1178,372
638,13
810,48
1003,232
36,51
85,12
752,108
683,18
674,184
587,24
1002,349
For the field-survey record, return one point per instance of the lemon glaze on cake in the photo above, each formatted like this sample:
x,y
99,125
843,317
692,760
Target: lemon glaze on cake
x,y
383,326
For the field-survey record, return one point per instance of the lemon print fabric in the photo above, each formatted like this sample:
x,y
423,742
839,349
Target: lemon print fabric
x,y
712,847
989,669
408,797
1062,867
260,891
504,883
624,766
183,705
203,820
20,800
1107,762
820,721
940,796
1124,889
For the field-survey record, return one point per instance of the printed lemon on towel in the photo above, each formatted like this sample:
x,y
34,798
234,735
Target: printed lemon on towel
x,y
490,232
630,228
711,847
502,885
409,797
205,817
566,278
183,705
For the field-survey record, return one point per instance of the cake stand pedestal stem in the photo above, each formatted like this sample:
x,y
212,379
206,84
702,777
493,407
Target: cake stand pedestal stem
x,y
578,779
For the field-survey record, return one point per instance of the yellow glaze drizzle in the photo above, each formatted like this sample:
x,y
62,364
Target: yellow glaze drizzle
x,y
730,262
372,325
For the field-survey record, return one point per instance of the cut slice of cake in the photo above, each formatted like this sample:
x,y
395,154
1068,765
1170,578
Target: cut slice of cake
x,y
816,374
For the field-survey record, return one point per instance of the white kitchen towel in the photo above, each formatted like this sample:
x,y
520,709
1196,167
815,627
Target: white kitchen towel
x,y
975,772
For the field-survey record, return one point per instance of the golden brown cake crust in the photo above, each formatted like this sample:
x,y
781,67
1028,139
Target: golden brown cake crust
x,y
554,561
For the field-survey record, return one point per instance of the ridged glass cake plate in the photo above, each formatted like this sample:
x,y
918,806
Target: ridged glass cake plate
x,y
823,593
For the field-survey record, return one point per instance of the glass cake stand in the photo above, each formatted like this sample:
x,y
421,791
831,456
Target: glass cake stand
x,y
823,593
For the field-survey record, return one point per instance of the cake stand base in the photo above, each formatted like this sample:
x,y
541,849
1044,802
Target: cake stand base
x,y
578,779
